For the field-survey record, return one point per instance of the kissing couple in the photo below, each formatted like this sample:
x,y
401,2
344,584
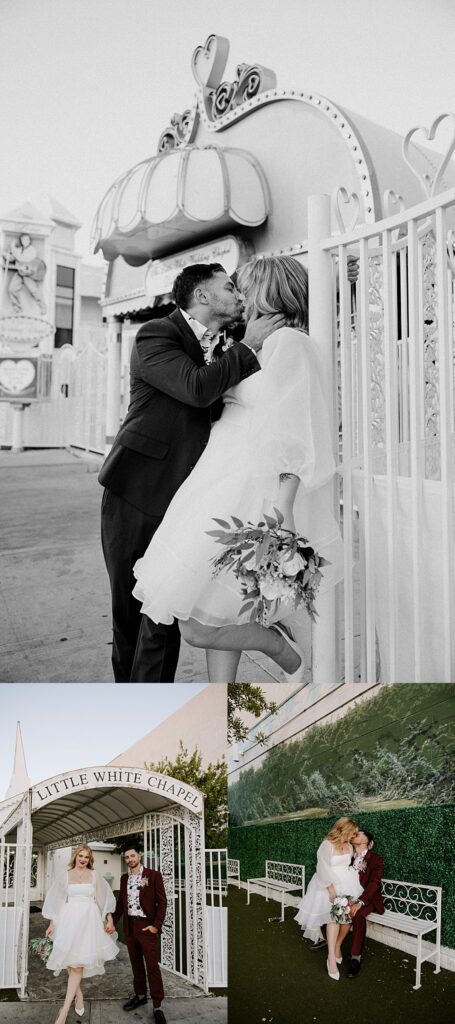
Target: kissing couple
x,y
83,912
175,467
345,888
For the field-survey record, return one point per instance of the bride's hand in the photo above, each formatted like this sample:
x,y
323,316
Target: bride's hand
x,y
331,891
50,931
258,329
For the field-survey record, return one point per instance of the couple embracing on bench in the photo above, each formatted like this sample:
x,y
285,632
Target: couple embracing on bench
x,y
344,890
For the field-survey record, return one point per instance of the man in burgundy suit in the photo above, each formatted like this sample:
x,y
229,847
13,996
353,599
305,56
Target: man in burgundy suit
x,y
370,867
142,903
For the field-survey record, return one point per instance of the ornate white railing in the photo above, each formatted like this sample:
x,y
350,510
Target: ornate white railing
x,y
393,344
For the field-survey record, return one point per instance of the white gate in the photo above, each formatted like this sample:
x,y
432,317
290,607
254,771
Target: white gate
x,y
15,877
173,844
75,414
216,916
395,345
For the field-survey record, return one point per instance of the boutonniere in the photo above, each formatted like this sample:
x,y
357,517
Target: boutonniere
x,y
143,881
361,864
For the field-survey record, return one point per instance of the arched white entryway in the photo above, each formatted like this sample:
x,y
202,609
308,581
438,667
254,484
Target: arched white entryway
x,y
97,803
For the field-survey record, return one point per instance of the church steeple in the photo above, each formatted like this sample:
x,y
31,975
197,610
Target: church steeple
x,y
20,781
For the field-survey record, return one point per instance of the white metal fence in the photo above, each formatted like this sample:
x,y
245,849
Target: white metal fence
x,y
216,874
14,860
395,344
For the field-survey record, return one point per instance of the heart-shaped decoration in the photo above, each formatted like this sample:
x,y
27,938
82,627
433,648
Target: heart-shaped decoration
x,y
208,62
16,374
430,182
393,199
351,203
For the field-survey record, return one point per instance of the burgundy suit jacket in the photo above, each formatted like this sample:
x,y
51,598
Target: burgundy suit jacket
x,y
371,880
152,898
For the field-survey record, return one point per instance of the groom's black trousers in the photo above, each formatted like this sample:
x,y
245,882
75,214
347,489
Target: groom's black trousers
x,y
142,651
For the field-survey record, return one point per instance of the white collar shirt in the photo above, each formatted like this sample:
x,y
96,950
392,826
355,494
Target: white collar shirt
x,y
205,339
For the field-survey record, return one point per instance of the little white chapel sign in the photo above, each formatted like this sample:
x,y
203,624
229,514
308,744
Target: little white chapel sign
x,y
106,777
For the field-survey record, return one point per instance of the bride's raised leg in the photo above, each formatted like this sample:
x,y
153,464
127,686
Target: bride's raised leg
x,y
222,665
248,637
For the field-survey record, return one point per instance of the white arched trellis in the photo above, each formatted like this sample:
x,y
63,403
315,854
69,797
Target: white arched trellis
x,y
96,803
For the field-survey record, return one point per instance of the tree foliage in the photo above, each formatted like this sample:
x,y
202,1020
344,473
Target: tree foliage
x,y
211,780
244,697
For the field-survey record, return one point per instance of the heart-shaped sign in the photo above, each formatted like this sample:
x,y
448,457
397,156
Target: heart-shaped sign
x,y
209,61
430,182
16,375
351,204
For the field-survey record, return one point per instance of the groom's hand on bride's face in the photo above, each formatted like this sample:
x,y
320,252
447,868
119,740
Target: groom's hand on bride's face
x,y
259,329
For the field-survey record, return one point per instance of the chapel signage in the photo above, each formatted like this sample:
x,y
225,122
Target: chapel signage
x,y
161,274
127,778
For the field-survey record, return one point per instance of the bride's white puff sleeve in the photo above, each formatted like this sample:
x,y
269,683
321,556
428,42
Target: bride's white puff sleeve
x,y
290,430
55,899
324,869
104,897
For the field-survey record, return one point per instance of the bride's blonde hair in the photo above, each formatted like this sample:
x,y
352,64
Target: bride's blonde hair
x,y
82,846
276,284
342,831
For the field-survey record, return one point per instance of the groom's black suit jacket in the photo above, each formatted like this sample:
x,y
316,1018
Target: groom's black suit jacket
x,y
168,421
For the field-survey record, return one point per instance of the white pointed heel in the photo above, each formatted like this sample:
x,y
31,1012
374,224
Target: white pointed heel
x,y
339,959
335,977
80,1012
299,674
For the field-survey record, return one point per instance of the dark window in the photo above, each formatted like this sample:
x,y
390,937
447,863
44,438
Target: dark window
x,y
64,306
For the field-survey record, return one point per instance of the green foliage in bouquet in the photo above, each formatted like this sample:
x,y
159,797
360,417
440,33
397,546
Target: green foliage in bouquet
x,y
41,948
272,564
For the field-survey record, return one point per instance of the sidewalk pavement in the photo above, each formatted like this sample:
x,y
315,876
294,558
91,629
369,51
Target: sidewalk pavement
x,y
54,590
203,1010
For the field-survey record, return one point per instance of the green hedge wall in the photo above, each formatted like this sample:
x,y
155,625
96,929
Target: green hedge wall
x,y
417,844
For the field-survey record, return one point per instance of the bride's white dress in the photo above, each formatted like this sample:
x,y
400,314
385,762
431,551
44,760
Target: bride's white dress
x,y
274,422
332,867
78,911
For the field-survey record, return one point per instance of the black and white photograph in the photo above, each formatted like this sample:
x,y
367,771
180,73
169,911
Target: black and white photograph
x,y
227,467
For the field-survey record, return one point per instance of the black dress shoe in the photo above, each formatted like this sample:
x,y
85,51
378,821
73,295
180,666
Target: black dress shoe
x,y
159,1016
134,1002
320,944
355,967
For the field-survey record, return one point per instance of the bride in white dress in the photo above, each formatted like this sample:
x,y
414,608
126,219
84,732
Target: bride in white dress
x,y
334,876
77,904
271,448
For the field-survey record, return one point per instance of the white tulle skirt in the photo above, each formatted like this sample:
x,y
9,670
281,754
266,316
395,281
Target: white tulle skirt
x,y
175,576
314,907
79,939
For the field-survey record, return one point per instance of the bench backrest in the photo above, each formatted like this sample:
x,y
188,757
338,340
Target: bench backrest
x,y
281,871
233,868
422,902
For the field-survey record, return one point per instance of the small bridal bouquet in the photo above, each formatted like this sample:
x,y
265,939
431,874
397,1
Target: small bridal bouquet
x,y
41,948
272,565
339,911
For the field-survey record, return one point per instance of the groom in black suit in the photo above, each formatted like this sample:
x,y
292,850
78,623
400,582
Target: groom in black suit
x,y
175,383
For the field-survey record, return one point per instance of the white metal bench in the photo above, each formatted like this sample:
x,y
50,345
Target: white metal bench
x,y
233,871
280,877
414,909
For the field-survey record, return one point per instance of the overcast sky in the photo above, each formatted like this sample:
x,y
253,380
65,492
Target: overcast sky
x,y
87,86
67,726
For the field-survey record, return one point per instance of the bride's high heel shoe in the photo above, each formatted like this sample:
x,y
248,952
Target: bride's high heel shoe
x,y
336,976
79,1010
299,674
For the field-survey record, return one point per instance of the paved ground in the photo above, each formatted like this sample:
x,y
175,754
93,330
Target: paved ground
x,y
206,1010
54,591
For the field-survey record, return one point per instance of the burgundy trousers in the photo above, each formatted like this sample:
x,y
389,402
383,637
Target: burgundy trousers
x,y
359,927
143,952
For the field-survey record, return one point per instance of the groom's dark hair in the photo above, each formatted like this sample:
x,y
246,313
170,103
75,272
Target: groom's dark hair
x,y
369,836
135,846
190,278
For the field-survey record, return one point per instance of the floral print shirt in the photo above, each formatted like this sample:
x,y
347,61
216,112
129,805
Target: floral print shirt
x,y
134,887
